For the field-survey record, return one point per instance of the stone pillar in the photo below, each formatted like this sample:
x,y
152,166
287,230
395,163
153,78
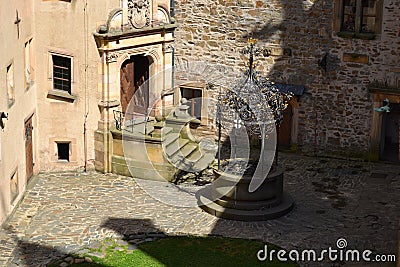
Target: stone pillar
x,y
167,52
103,137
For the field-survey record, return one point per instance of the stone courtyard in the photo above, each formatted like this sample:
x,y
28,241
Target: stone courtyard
x,y
64,212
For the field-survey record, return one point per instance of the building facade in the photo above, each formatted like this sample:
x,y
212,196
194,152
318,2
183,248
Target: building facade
x,y
62,63
18,109
344,54
69,68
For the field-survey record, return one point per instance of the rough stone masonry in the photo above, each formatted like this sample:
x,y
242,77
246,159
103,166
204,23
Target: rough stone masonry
x,y
335,113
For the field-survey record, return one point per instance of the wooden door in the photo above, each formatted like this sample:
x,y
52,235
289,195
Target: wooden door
x,y
285,129
134,87
127,76
29,148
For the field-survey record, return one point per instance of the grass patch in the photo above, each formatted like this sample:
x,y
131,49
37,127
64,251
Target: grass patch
x,y
187,251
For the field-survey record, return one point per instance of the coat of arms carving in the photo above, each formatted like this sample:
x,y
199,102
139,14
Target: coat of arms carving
x,y
139,13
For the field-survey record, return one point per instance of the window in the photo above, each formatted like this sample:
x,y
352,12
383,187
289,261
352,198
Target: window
x,y
63,151
359,18
28,66
62,73
10,85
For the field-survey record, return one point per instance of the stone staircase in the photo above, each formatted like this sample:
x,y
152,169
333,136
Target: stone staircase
x,y
170,146
185,154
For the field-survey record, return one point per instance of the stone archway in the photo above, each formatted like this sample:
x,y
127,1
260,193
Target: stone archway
x,y
134,73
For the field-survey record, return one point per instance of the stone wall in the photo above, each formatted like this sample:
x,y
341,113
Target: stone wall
x,y
335,113
63,28
13,176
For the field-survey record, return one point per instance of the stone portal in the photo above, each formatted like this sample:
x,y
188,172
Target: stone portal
x,y
135,45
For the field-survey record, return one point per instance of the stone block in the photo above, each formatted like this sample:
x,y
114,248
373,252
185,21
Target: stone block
x,y
143,169
356,58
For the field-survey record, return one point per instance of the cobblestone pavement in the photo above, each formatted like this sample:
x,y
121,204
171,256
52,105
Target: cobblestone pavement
x,y
62,213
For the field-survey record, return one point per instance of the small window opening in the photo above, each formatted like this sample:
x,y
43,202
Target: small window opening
x,y
63,151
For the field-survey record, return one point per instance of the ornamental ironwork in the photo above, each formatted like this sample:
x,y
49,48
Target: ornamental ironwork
x,y
254,101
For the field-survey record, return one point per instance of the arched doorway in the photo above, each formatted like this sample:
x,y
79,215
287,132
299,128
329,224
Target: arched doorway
x,y
134,73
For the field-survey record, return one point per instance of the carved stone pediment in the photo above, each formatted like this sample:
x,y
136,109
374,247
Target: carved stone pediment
x,y
139,13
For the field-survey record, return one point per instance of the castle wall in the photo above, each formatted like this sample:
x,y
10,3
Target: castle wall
x,y
336,111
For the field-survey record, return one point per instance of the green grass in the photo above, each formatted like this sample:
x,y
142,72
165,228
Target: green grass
x,y
188,251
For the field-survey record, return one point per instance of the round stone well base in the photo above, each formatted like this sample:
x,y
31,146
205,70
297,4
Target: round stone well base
x,y
233,200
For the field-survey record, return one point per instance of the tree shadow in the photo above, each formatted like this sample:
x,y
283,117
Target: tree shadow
x,y
130,228
28,253
34,254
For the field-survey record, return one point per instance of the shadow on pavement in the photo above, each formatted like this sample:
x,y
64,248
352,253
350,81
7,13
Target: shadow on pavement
x,y
35,254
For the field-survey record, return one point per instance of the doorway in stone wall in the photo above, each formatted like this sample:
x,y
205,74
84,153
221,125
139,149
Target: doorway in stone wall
x,y
133,76
285,129
29,148
389,148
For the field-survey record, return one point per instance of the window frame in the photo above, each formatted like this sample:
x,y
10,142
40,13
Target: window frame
x,y
59,144
71,71
28,64
339,11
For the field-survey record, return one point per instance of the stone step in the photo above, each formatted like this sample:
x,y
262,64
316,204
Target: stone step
x,y
161,132
170,138
247,205
262,214
166,130
203,162
195,156
173,147
188,149
180,157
